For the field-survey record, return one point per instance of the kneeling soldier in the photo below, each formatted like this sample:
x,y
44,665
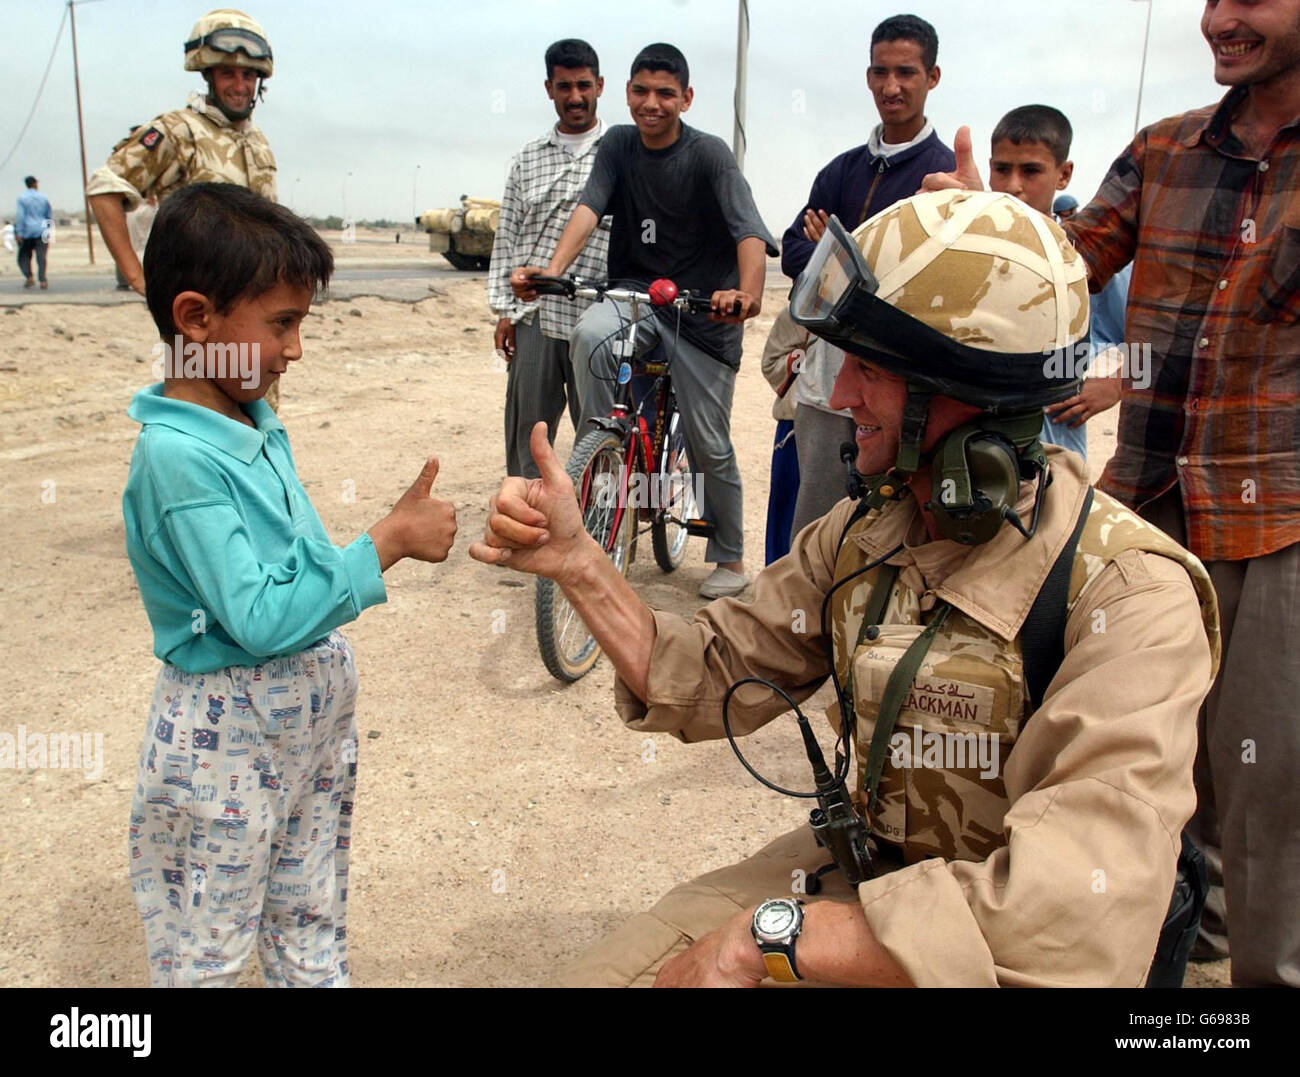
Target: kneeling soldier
x,y
1018,659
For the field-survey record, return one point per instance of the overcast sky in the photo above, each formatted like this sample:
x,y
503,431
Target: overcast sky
x,y
438,95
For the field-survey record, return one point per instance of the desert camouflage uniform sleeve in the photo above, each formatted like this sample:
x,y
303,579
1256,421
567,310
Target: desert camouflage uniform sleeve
x,y
776,635
150,160
263,170
1100,786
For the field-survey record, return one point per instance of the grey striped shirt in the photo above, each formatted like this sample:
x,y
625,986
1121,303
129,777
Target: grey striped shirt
x,y
542,188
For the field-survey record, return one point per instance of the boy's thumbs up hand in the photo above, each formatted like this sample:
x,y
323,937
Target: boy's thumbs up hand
x,y
535,525
420,525
966,176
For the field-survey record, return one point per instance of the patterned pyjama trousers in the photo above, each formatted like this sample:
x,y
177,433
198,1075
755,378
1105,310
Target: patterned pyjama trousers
x,y
241,820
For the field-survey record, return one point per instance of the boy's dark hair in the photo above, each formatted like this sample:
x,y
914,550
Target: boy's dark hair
x,y
571,52
663,57
1037,123
909,28
227,243
30,181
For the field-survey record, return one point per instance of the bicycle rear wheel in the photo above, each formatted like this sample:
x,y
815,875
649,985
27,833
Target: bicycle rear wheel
x,y
597,470
676,491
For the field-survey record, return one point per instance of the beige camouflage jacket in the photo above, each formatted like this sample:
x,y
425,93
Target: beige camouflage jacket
x,y
1098,782
196,144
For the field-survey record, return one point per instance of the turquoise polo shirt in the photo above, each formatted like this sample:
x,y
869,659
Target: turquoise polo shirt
x,y
233,563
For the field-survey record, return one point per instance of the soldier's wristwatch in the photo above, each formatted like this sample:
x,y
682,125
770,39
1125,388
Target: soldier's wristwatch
x,y
777,923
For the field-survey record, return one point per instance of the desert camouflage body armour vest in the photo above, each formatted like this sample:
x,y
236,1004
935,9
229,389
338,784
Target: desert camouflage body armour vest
x,y
222,155
194,146
941,792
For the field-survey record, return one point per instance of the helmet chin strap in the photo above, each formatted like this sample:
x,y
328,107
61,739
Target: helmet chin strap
x,y
893,484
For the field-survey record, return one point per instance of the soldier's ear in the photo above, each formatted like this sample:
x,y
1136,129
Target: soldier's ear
x,y
192,315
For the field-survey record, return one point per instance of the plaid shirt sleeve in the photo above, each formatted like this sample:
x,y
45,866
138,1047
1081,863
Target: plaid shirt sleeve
x,y
542,189
1105,231
500,298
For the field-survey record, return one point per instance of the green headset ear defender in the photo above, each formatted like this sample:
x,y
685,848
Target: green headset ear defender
x,y
977,473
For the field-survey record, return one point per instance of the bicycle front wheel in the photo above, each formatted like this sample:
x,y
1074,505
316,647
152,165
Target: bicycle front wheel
x,y
597,469
675,487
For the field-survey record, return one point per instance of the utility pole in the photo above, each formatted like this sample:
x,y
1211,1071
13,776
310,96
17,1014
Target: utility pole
x,y
738,138
1142,73
81,135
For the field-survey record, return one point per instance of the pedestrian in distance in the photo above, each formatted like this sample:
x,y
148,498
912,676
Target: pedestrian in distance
x,y
32,224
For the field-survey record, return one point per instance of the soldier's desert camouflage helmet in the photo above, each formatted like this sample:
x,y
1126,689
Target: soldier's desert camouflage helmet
x,y
227,36
965,293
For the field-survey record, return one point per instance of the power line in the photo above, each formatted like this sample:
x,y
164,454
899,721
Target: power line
x,y
40,90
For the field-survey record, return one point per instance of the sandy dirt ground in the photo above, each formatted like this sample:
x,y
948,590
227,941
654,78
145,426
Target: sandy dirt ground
x,y
504,821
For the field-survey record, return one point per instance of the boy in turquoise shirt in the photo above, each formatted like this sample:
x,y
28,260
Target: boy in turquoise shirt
x,y
240,825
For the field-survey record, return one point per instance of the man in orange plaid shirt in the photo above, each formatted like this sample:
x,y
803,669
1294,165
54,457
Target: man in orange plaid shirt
x,y
1206,206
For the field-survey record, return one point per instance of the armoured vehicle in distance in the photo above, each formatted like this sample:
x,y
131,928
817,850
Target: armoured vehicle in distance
x,y
463,235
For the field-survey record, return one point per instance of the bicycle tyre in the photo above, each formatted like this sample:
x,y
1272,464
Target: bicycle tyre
x,y
568,649
676,486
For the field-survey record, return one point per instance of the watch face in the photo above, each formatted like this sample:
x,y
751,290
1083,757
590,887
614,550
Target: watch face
x,y
775,919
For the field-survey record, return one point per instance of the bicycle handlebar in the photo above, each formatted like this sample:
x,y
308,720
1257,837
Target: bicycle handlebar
x,y
665,296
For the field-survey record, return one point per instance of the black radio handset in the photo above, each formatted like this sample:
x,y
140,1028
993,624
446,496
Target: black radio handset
x,y
836,825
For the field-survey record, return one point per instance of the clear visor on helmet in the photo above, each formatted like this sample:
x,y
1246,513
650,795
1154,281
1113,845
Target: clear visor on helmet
x,y
834,274
233,39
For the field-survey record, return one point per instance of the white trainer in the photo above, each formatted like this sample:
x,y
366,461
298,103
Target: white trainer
x,y
722,582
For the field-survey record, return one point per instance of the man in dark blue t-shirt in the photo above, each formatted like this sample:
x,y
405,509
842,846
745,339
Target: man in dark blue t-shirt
x,y
680,209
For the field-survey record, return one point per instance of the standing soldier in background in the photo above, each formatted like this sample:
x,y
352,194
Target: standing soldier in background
x,y
545,180
211,140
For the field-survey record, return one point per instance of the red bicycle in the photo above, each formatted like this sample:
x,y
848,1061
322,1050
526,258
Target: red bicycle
x,y
633,469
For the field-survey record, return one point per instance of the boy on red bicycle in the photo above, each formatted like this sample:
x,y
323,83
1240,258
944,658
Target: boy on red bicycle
x,y
681,209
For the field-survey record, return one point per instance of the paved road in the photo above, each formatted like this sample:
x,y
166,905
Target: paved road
x,y
402,281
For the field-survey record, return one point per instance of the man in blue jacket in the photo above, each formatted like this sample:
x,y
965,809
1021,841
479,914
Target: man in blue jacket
x,y
32,225
856,185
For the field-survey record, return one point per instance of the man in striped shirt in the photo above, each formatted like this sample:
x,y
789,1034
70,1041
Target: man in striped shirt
x,y
1206,205
545,180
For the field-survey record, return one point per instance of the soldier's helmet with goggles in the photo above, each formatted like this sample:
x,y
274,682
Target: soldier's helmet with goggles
x,y
227,36
964,293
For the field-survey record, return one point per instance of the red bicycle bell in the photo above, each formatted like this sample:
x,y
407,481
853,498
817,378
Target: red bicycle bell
x,y
662,292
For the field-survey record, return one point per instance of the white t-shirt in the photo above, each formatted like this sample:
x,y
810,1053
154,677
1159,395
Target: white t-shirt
x,y
888,149
576,145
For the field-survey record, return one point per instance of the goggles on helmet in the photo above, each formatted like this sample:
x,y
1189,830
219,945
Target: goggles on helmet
x,y
835,297
233,39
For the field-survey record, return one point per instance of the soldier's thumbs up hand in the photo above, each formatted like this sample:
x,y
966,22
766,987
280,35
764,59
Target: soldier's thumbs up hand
x,y
535,525
420,525
966,176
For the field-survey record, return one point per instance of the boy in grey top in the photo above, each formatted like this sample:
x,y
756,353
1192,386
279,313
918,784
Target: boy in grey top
x,y
681,209
546,177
